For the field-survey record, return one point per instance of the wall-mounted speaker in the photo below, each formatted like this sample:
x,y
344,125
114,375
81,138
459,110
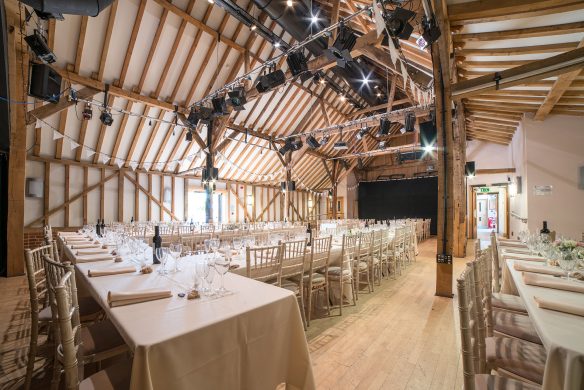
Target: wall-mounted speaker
x,y
45,83
469,169
581,178
519,183
34,187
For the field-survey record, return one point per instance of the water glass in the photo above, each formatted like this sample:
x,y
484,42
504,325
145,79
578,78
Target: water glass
x,y
568,261
175,252
162,256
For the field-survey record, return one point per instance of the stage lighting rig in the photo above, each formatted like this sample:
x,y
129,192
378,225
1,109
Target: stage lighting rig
x,y
340,51
237,98
397,23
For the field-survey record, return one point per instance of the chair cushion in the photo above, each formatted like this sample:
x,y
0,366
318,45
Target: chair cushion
x,y
100,337
317,279
376,260
515,325
116,377
495,382
521,358
336,271
508,302
291,286
363,266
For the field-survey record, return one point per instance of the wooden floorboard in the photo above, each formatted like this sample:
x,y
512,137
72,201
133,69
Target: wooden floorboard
x,y
400,336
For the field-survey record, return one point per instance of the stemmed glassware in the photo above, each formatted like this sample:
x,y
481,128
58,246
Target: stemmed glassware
x,y
222,264
175,252
162,255
568,261
209,274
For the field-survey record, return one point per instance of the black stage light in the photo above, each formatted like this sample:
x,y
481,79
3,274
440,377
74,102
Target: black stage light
x,y
312,142
361,133
219,106
193,118
39,46
106,118
409,122
206,115
297,63
469,169
340,145
87,112
237,98
210,174
44,83
340,51
431,32
384,127
283,186
284,149
325,139
270,81
428,134
360,163
189,136
397,23
296,144
291,185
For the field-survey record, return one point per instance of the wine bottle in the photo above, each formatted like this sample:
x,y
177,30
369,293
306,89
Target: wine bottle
x,y
309,234
97,229
103,225
156,243
132,220
545,232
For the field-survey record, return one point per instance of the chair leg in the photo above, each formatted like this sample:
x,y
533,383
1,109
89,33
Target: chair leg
x,y
309,307
341,298
327,299
32,351
301,303
56,372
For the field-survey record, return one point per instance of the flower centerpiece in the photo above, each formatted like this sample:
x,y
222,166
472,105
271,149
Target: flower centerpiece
x,y
566,245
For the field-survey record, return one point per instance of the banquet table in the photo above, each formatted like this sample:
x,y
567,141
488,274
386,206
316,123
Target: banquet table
x,y
561,333
252,338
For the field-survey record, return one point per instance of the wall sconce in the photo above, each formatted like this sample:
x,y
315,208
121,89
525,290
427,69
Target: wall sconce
x,y
512,188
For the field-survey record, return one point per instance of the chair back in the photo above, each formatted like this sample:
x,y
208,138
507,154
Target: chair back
x,y
67,311
365,244
55,272
165,229
495,259
348,251
196,242
264,263
320,253
36,276
293,258
377,244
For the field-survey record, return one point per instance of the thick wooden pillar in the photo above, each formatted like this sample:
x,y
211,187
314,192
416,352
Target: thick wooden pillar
x,y
17,61
210,164
334,189
287,195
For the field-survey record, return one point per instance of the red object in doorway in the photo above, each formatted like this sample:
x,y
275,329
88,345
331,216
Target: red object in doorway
x,y
492,223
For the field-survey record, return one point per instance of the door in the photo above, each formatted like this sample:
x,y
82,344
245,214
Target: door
x,y
482,214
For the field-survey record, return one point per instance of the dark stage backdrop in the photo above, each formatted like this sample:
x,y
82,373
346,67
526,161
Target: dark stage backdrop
x,y
405,198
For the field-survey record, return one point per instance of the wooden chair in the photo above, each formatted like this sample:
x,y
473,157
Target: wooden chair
x,y
481,355
344,274
40,311
293,264
314,282
264,263
387,262
196,242
99,341
70,348
375,258
361,266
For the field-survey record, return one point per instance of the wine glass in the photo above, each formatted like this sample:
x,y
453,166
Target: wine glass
x,y
209,266
568,261
201,271
207,244
214,244
222,266
175,251
162,255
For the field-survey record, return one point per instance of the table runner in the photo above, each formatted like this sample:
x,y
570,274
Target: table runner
x,y
561,333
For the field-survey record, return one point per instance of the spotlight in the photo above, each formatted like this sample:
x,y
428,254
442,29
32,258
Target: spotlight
x,y
409,122
297,63
219,106
325,139
189,136
384,127
397,23
381,145
365,81
87,112
340,51
237,98
193,118
106,118
378,94
39,46
314,18
428,148
290,3
342,97
428,134
361,133
253,27
330,194
312,142
206,115
270,81
431,32
290,145
340,145
277,44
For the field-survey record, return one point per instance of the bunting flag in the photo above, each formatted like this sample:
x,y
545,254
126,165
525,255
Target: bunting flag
x,y
89,152
393,53
73,145
189,159
119,162
412,87
104,158
159,166
57,135
133,165
146,166
379,21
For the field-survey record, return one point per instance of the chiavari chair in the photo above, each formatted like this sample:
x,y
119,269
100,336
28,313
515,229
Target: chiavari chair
x,y
293,265
99,340
314,282
343,274
361,265
375,258
264,263
71,348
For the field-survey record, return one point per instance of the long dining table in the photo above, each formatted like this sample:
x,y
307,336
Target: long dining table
x,y
560,332
251,338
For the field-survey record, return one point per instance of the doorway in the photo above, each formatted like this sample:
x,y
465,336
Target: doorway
x,y
489,211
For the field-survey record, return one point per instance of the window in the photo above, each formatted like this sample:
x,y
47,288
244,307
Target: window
x,y
196,204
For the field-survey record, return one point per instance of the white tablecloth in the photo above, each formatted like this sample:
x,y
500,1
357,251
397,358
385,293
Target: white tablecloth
x,y
251,339
562,334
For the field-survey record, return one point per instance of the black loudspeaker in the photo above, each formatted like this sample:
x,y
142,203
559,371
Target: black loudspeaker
x,y
270,81
291,186
45,83
428,133
297,63
469,168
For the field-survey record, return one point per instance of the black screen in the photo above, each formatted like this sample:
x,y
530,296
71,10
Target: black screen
x,y
407,198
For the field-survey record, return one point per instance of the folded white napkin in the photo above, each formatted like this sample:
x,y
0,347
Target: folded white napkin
x,y
559,306
95,257
552,282
120,298
91,251
538,269
84,246
112,271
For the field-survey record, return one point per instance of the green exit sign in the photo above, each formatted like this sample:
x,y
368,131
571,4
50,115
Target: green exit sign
x,y
484,189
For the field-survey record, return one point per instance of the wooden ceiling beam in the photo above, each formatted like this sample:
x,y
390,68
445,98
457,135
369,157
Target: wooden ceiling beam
x,y
536,70
64,103
521,50
108,37
531,32
560,86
